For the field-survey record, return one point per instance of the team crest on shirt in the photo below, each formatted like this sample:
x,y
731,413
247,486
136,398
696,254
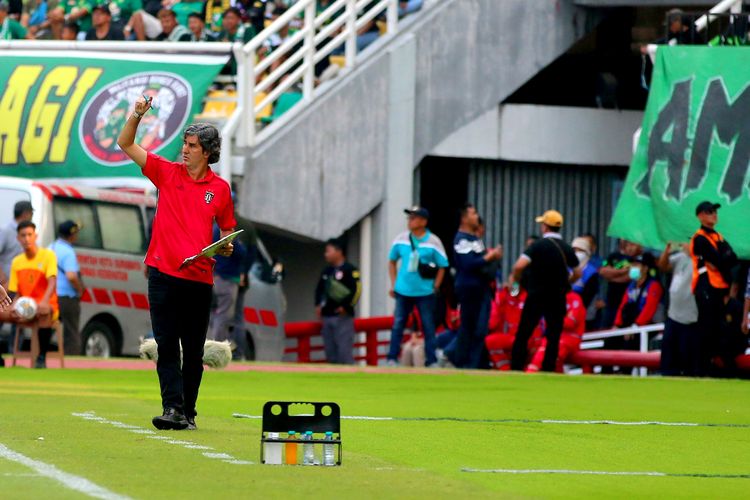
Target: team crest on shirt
x,y
209,196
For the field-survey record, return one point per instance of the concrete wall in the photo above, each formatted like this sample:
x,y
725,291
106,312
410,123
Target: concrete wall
x,y
327,168
543,134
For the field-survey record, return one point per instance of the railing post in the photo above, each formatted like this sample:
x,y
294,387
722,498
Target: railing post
x,y
350,46
242,96
391,17
308,82
643,371
371,345
303,349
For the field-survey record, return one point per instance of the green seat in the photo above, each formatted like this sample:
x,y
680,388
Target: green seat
x,y
286,101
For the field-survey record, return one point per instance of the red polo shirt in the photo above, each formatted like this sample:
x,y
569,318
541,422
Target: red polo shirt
x,y
185,214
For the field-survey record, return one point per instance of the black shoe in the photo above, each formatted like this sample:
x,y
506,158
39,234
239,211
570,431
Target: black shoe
x,y
170,420
41,362
191,423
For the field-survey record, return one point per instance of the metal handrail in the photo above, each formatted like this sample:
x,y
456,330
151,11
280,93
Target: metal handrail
x,y
300,53
724,6
641,331
111,46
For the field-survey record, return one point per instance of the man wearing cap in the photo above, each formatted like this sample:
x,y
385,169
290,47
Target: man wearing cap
x,y
69,286
415,282
101,20
549,266
9,245
713,260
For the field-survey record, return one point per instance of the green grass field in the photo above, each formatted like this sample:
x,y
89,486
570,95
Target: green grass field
x,y
382,459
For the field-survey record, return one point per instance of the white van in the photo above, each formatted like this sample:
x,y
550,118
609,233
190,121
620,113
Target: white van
x,y
111,247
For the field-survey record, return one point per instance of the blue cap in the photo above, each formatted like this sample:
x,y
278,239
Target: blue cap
x,y
417,211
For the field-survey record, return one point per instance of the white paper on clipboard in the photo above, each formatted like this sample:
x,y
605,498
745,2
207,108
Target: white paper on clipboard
x,y
212,249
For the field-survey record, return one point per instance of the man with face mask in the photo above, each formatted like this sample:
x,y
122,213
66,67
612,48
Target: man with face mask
x,y
587,286
642,297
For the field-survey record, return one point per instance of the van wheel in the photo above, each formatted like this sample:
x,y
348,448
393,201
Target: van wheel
x,y
98,340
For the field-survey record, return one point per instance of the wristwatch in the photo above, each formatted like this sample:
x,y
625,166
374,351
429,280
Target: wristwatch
x,y
138,115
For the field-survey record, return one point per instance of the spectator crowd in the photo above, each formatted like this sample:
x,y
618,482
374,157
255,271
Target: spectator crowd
x,y
460,310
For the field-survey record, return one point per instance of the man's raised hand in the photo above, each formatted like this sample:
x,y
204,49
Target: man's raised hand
x,y
142,105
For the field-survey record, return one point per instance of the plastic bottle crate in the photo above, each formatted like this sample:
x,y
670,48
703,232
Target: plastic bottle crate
x,y
277,420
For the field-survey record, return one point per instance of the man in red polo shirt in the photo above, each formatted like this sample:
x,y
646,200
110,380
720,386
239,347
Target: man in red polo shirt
x,y
191,199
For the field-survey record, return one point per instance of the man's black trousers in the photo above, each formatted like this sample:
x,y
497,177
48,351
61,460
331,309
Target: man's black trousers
x,y
552,308
710,302
180,311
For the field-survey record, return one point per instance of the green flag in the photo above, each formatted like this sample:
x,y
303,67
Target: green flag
x,y
694,146
60,116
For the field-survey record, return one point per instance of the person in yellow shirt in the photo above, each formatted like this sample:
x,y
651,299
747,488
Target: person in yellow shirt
x,y
34,274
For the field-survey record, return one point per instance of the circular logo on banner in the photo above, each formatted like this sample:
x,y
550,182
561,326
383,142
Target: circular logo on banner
x,y
105,115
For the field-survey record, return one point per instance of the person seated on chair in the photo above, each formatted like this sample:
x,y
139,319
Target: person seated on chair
x,y
34,274
641,299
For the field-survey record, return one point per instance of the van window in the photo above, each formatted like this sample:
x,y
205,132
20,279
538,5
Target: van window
x,y
8,198
121,227
80,211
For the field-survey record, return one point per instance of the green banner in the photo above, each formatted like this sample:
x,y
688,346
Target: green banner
x,y
61,112
694,146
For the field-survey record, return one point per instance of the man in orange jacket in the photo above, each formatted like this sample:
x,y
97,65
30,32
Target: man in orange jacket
x,y
713,260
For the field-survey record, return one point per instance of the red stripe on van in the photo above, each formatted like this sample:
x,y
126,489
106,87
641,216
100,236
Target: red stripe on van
x,y
58,190
140,301
102,296
44,189
251,316
74,192
86,297
121,299
268,318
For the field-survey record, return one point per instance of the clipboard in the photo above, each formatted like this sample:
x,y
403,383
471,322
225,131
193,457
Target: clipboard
x,y
211,249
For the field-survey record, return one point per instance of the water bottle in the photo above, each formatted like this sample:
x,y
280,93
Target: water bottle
x,y
308,453
291,449
329,457
273,450
515,289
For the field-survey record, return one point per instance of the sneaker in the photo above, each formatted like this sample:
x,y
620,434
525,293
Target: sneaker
x,y
41,362
191,423
171,419
391,363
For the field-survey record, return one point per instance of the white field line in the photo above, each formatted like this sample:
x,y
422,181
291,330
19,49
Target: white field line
x,y
697,475
188,445
523,421
564,471
70,481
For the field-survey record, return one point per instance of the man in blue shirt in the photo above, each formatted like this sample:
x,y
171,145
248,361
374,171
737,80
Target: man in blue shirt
x,y
415,282
228,273
474,275
69,285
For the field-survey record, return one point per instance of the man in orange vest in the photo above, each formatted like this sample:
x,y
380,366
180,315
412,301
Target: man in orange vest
x,y
713,260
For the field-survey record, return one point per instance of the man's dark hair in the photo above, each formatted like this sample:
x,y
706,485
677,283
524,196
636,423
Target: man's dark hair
x,y
592,238
465,209
166,12
235,11
209,139
338,244
195,15
21,208
25,224
72,25
553,229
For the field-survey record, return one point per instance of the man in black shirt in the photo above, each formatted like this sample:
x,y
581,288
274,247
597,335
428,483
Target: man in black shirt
x,y
336,295
101,20
549,266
